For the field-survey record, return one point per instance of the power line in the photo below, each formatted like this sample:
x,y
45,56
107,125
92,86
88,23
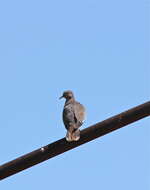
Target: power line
x,y
61,146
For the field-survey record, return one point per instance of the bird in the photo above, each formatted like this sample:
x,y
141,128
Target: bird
x,y
73,116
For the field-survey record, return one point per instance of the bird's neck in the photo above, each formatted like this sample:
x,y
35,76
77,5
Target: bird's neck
x,y
69,101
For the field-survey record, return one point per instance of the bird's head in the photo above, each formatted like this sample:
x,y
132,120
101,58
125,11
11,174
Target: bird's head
x,y
67,95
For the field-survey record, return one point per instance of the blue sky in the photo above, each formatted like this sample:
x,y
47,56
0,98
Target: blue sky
x,y
98,49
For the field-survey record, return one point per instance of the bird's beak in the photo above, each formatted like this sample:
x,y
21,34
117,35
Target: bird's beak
x,y
61,97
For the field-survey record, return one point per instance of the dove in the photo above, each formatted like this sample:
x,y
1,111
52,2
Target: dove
x,y
73,116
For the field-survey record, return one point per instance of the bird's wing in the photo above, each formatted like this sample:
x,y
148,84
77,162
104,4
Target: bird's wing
x,y
68,115
79,112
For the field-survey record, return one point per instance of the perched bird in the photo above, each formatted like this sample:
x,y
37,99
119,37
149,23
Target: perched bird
x,y
73,116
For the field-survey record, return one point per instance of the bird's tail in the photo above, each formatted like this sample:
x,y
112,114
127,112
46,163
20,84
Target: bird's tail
x,y
73,136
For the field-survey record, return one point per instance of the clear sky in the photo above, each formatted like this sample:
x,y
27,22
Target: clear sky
x,y
98,49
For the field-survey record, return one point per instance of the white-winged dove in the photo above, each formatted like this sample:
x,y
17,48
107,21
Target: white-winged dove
x,y
73,116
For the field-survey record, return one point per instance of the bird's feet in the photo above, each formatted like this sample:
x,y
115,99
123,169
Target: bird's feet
x,y
76,135
68,136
